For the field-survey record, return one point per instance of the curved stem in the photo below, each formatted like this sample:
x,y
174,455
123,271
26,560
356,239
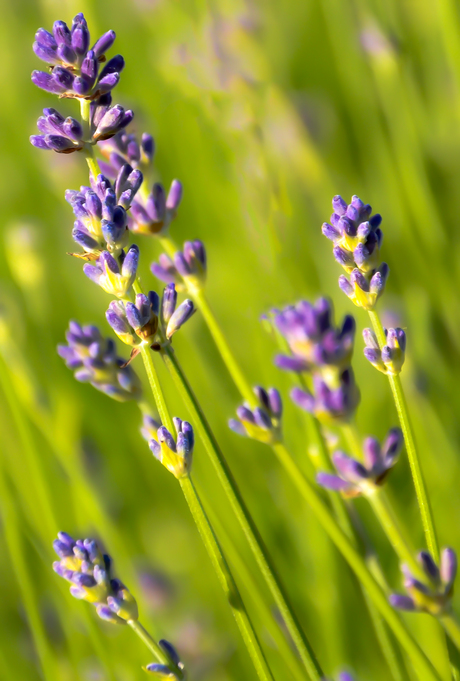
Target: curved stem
x,y
152,645
452,628
242,514
357,564
409,438
226,579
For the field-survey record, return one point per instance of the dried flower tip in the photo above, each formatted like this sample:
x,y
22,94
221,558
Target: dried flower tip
x,y
313,339
330,405
108,274
390,359
89,571
434,595
355,478
154,216
175,455
94,360
188,269
263,423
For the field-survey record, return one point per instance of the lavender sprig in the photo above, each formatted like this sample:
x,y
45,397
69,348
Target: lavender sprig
x,y
173,454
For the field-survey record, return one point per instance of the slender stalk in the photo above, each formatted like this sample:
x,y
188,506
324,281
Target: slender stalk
x,y
423,665
452,628
226,579
409,438
242,514
154,648
88,150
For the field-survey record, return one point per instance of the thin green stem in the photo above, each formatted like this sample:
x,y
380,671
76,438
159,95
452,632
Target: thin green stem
x,y
156,388
152,645
88,149
357,564
452,628
409,438
226,579
242,514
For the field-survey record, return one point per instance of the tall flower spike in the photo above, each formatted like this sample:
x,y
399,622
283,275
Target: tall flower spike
x,y
74,68
187,270
154,216
262,423
94,360
110,276
312,337
435,594
355,478
330,405
175,455
89,571
390,359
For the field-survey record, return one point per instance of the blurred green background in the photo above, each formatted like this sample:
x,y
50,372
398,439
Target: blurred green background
x,y
264,110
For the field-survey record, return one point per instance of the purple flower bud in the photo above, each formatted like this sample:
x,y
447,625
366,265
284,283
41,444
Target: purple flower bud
x,y
401,602
168,303
104,43
448,569
179,317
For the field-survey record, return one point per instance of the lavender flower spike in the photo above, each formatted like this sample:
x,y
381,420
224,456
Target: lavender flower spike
x,y
175,455
390,359
94,360
89,571
188,269
110,276
355,478
262,423
435,594
74,67
154,216
313,339
330,405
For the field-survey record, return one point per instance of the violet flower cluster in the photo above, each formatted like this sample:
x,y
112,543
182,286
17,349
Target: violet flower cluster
x,y
94,359
187,269
355,477
89,571
174,453
390,358
323,351
357,239
433,595
262,423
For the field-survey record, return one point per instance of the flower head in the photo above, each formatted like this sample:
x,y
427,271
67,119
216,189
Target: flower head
x,y
94,360
187,270
355,478
63,135
435,593
89,571
154,216
330,404
262,423
125,148
312,337
74,67
175,455
389,359
108,274
357,239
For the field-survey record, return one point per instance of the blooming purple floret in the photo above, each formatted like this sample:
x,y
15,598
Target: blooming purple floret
x,y
261,423
434,594
74,67
357,239
355,478
89,571
187,270
154,215
330,404
390,358
312,337
94,360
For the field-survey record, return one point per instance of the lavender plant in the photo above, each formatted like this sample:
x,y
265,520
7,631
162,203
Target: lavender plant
x,y
118,203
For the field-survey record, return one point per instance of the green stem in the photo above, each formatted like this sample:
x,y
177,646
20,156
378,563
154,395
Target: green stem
x,y
156,388
242,514
152,645
417,475
88,150
357,564
452,628
226,579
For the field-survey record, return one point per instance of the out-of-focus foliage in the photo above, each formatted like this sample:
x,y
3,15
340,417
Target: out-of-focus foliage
x,y
264,110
